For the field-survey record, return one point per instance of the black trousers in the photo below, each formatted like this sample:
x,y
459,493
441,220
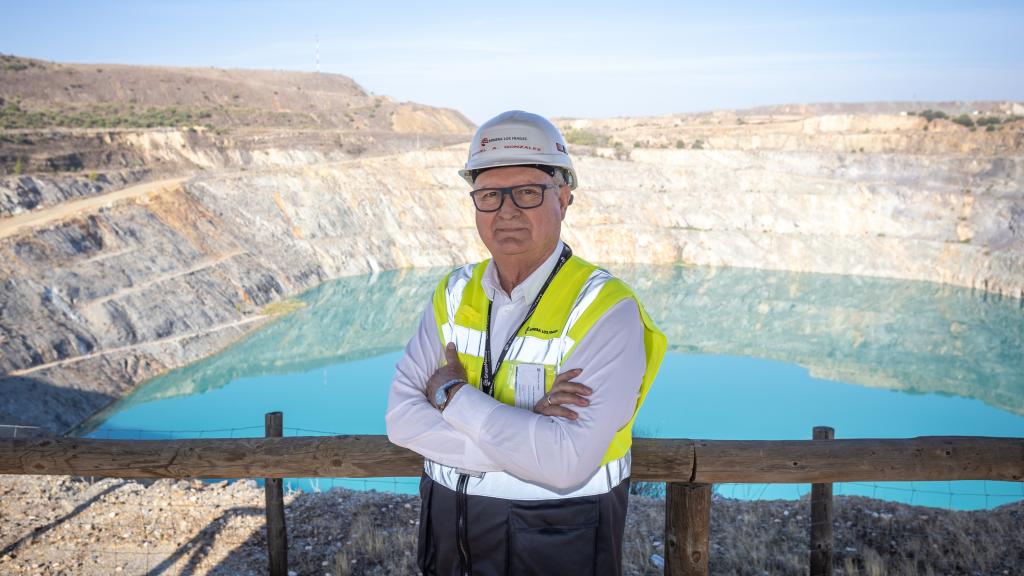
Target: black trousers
x,y
572,536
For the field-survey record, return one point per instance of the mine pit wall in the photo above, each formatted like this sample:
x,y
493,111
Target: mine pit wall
x,y
39,169
95,304
954,220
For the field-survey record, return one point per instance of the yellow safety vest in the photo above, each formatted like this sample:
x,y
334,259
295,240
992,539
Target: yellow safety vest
x,y
576,298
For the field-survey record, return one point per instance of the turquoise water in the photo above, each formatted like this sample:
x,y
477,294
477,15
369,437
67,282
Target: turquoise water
x,y
753,355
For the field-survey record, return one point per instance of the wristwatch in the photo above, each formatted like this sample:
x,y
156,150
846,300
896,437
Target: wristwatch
x,y
441,394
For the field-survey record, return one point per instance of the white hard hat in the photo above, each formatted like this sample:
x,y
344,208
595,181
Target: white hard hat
x,y
517,138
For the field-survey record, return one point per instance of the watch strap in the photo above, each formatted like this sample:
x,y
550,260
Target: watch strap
x,y
442,392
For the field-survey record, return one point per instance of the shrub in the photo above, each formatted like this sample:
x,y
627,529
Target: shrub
x,y
585,137
13,116
933,114
964,120
680,144
698,145
621,152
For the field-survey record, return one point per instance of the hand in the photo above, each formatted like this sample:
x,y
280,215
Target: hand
x,y
563,392
451,371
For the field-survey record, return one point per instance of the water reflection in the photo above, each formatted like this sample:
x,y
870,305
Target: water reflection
x,y
344,320
909,336
915,337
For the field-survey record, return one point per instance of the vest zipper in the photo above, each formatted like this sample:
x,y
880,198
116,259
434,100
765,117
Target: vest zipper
x,y
462,526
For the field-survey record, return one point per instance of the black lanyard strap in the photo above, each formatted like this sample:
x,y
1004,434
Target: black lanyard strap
x,y
487,375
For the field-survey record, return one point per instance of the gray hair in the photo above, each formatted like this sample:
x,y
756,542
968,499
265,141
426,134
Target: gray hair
x,y
559,177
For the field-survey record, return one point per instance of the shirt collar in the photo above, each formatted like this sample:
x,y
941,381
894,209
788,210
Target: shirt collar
x,y
528,289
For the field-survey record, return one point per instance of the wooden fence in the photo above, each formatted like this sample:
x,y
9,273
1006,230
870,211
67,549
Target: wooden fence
x,y
688,467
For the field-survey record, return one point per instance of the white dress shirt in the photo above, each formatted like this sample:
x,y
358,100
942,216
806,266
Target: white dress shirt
x,y
476,432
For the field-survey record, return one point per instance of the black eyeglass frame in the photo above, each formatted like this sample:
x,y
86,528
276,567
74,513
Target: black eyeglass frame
x,y
507,191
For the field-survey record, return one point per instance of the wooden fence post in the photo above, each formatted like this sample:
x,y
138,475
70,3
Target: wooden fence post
x,y
277,536
821,517
687,528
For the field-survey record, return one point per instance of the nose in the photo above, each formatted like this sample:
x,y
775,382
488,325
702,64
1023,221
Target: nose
x,y
508,208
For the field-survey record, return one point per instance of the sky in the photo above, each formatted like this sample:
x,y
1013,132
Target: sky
x,y
577,59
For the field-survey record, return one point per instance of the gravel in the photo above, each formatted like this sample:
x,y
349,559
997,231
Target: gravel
x,y
67,525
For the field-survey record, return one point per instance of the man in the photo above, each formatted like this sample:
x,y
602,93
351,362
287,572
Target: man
x,y
522,383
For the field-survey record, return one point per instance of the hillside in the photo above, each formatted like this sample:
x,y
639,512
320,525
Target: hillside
x,y
87,129
127,251
937,128
99,300
39,94
124,124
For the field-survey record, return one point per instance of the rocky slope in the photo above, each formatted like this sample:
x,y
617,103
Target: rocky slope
x,y
54,166
288,179
96,301
71,130
969,128
105,299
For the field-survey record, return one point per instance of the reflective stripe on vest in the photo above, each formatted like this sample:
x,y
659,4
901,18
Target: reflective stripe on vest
x,y
505,485
578,296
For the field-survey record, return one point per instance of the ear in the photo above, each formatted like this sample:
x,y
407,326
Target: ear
x,y
564,198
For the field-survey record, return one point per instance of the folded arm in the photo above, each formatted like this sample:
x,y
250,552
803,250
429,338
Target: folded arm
x,y
413,422
561,452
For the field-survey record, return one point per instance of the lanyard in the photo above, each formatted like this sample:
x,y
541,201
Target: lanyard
x,y
487,374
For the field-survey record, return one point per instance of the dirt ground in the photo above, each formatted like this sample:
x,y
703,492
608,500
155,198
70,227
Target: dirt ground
x,y
65,525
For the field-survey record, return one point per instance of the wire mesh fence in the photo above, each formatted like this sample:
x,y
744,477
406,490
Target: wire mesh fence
x,y
751,534
64,525
74,526
953,495
21,431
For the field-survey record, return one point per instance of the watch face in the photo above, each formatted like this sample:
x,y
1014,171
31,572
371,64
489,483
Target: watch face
x,y
441,396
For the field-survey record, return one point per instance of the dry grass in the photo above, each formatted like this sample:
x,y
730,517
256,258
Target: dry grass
x,y
196,528
282,307
377,546
872,538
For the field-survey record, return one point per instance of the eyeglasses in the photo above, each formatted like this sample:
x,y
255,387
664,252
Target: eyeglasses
x,y
524,196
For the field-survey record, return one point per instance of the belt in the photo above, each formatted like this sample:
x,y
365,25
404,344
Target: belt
x,y
509,487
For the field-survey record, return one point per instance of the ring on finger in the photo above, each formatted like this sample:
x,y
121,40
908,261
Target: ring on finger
x,y
548,398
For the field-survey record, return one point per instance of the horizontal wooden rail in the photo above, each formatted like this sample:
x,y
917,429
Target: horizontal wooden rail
x,y
851,460
660,460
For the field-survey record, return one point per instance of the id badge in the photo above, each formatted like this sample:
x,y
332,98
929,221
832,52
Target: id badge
x,y
529,385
